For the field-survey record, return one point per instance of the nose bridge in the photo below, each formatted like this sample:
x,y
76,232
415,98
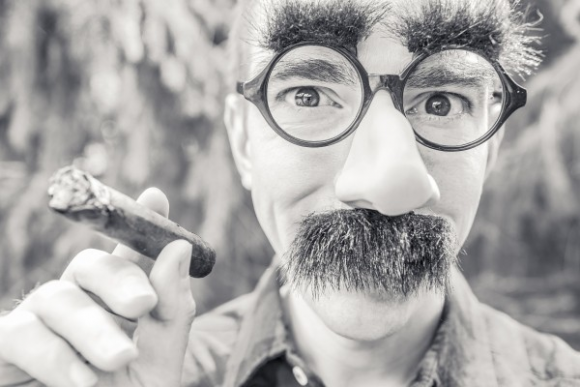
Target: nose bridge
x,y
391,84
385,124
383,169
389,81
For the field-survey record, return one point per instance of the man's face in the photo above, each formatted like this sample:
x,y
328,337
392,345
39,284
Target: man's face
x,y
289,182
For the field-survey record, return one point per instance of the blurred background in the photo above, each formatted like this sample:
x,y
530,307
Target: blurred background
x,y
131,90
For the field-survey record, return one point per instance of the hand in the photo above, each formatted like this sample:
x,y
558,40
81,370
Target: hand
x,y
142,343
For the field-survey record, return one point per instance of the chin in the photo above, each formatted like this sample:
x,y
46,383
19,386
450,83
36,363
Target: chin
x,y
361,315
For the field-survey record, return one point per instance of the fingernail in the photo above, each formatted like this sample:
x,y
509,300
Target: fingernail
x,y
82,376
135,290
118,350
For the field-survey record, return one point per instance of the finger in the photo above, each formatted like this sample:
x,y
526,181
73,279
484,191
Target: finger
x,y
170,279
154,199
164,332
68,311
122,286
32,347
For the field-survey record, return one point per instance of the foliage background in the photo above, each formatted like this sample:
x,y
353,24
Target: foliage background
x,y
131,90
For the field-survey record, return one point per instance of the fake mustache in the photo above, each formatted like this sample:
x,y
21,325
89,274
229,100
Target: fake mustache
x,y
362,249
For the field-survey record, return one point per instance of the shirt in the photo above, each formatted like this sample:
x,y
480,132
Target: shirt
x,y
245,343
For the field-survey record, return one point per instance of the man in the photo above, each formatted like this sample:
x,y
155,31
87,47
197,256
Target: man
x,y
365,131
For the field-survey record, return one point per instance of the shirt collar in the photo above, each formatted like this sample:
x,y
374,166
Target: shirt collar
x,y
262,333
461,345
465,355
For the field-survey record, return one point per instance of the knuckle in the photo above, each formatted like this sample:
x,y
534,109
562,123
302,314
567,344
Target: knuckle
x,y
128,272
47,293
51,357
189,310
55,289
16,329
15,323
99,263
95,317
98,338
54,348
98,325
82,262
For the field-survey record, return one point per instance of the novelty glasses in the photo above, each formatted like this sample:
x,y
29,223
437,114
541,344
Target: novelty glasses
x,y
313,96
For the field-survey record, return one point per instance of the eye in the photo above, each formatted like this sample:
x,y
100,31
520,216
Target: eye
x,y
440,105
310,97
307,96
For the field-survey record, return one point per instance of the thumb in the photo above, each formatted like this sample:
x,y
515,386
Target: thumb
x,y
162,335
154,199
170,279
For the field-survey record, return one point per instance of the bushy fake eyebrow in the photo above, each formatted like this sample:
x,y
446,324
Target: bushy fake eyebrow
x,y
436,24
344,23
338,23
313,69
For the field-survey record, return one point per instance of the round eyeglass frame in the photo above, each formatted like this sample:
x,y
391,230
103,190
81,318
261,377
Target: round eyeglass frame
x,y
255,91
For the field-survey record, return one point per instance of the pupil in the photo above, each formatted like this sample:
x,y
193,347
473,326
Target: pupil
x,y
307,96
438,105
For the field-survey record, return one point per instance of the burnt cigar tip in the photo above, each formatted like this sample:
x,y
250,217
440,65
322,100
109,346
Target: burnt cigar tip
x,y
71,189
200,270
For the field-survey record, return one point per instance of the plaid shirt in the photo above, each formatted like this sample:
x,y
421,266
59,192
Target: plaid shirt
x,y
244,343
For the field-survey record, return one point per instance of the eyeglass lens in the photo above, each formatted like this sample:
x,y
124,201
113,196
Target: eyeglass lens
x,y
450,98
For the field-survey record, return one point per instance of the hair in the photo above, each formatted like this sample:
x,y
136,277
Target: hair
x,y
360,250
500,28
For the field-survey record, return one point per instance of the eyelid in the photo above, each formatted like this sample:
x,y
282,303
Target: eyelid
x,y
282,94
321,89
314,74
298,81
424,96
429,93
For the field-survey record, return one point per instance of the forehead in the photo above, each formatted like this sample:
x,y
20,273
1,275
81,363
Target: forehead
x,y
418,25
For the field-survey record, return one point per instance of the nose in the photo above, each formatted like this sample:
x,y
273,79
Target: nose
x,y
384,170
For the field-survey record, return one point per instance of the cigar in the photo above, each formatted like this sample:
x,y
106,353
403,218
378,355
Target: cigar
x,y
81,198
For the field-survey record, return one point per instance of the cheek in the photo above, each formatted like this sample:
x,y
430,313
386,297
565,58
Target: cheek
x,y
460,177
288,181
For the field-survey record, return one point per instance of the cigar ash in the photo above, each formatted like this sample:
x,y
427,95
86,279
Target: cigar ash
x,y
77,195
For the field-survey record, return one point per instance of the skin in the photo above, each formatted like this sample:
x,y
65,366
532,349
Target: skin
x,y
348,338
341,326
38,344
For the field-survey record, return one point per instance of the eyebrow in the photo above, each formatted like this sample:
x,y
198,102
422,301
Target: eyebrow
x,y
439,80
438,76
439,24
313,69
344,23
339,23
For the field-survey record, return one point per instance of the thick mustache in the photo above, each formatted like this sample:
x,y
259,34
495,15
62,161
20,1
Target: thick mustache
x,y
363,249
367,222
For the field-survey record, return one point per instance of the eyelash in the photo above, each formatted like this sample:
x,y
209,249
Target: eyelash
x,y
280,96
465,101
